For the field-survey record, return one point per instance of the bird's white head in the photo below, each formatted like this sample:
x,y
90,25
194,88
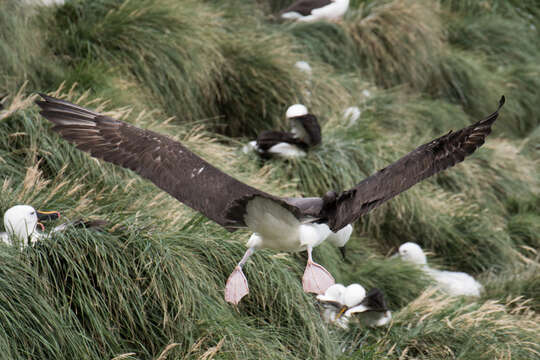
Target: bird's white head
x,y
20,221
413,253
333,293
354,294
296,110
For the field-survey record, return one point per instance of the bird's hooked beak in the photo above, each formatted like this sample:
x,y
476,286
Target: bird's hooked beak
x,y
46,216
341,312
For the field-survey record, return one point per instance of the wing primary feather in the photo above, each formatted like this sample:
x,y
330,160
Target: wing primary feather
x,y
421,163
165,162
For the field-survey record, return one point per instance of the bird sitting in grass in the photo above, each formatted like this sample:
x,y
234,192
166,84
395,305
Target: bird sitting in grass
x,y
278,223
305,133
341,304
21,222
453,283
314,10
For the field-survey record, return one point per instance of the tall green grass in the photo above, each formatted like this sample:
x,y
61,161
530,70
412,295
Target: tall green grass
x,y
151,284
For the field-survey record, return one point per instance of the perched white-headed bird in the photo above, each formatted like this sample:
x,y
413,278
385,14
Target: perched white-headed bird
x,y
21,222
453,283
341,303
314,10
305,133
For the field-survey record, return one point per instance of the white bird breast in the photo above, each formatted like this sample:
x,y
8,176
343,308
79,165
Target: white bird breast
x,y
277,228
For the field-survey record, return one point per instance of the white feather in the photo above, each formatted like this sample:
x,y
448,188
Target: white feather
x,y
286,150
291,15
352,114
277,228
333,11
341,238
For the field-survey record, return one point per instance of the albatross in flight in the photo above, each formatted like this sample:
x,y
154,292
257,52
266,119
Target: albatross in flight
x,y
280,223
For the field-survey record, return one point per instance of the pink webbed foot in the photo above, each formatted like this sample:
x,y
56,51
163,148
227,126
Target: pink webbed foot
x,y
236,287
316,278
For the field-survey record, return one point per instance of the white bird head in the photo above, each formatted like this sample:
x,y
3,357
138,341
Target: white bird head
x,y
296,110
413,253
333,293
354,294
20,221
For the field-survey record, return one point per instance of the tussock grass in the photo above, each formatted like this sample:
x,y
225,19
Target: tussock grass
x,y
186,60
386,34
441,327
151,285
23,55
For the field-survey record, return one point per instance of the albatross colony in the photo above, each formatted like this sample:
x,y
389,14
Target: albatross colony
x,y
280,223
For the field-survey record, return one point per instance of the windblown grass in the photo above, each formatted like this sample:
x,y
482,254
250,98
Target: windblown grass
x,y
441,327
151,285
23,55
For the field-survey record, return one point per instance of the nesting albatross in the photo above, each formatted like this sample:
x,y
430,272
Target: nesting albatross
x,y
313,10
305,133
21,222
281,223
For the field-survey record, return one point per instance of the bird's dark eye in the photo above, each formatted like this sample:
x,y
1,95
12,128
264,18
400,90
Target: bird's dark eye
x,y
33,213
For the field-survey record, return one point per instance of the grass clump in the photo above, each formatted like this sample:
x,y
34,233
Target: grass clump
x,y
185,59
23,55
151,284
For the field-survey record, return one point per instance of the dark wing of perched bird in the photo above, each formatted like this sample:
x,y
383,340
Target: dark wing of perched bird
x,y
311,130
421,163
304,7
267,139
97,224
165,162
374,300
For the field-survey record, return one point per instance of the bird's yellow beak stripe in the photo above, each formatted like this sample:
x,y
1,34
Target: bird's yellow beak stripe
x,y
341,312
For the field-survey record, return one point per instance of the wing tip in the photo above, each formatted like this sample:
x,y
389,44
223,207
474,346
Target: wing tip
x,y
501,102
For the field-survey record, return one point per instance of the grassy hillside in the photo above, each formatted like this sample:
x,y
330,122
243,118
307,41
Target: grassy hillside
x,y
212,74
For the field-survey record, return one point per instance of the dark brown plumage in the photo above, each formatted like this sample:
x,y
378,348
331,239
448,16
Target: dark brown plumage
x,y
193,181
304,7
311,127
165,162
374,300
267,139
309,135
419,164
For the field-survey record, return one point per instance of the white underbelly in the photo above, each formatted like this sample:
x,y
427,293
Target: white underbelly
x,y
276,228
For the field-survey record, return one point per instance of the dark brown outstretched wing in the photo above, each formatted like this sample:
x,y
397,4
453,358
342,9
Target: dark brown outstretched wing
x,y
414,167
304,7
165,162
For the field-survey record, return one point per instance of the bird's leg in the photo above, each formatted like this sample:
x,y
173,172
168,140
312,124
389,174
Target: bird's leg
x,y
237,285
316,278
